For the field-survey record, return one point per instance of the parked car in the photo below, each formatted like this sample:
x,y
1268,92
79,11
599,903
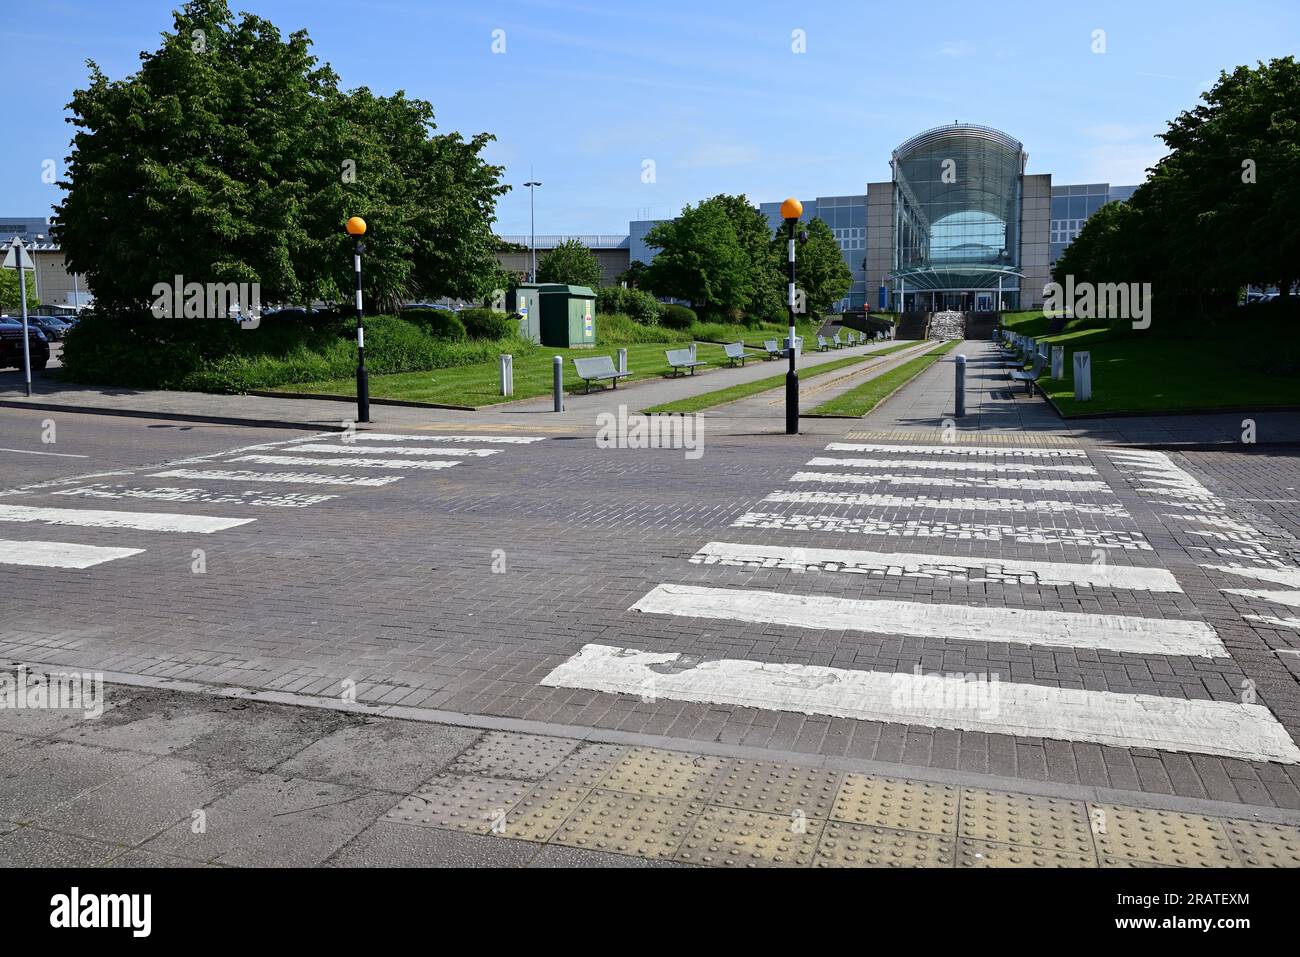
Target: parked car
x,y
53,326
11,344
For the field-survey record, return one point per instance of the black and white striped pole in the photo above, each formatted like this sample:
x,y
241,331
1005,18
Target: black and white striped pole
x,y
791,210
356,229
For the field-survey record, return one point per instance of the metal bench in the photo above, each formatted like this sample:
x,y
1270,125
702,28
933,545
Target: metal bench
x,y
597,369
1030,377
836,341
851,338
680,359
822,344
736,351
774,351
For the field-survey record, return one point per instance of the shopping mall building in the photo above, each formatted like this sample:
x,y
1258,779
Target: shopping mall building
x,y
961,225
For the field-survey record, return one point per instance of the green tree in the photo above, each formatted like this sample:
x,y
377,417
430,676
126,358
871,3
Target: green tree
x,y
11,298
571,263
700,259
634,275
232,156
820,270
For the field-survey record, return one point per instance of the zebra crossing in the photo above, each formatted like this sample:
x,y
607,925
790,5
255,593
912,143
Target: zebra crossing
x,y
1059,502
258,477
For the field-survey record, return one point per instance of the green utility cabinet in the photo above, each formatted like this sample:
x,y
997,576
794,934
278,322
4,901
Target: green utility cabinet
x,y
568,316
525,299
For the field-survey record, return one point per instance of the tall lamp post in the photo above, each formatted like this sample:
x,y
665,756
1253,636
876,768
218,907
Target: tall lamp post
x,y
532,185
791,210
356,228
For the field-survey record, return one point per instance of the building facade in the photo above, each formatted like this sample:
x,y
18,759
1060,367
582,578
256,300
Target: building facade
x,y
610,251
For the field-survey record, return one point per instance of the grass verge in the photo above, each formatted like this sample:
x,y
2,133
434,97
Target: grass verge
x,y
862,399
743,390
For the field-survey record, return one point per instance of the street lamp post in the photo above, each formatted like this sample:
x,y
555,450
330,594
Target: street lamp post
x,y
356,229
791,210
36,273
532,184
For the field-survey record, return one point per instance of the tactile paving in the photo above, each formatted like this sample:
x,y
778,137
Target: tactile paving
x,y
896,803
1026,820
1159,837
635,824
856,845
539,815
460,802
730,837
775,788
972,853
1264,845
587,766
671,774
523,757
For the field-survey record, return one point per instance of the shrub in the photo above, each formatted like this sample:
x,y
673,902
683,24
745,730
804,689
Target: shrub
x,y
643,307
617,328
488,324
611,299
439,323
678,317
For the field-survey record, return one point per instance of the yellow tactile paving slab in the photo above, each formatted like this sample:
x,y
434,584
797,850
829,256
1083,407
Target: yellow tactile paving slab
x,y
937,436
730,837
635,824
897,803
460,803
857,845
1264,845
587,766
1021,819
1160,837
542,811
972,853
775,788
670,774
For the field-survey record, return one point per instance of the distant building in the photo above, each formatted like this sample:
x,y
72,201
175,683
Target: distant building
x,y
610,251
56,287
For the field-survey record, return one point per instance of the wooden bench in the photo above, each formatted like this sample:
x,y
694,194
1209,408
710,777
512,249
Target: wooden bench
x,y
598,369
735,351
680,359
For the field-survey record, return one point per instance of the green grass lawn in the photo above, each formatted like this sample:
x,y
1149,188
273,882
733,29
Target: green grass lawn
x,y
1138,372
743,390
862,399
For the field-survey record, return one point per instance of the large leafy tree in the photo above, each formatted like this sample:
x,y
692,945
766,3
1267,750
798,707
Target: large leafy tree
x,y
717,255
232,156
10,296
571,263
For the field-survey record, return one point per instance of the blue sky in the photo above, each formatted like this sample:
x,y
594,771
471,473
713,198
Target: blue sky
x,y
712,92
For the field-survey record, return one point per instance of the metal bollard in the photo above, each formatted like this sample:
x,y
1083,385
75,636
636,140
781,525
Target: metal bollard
x,y
622,360
558,382
507,375
961,386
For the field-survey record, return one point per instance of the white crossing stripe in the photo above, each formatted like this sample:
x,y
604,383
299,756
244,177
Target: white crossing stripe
x,y
1050,574
1278,597
354,462
1004,468
1278,576
1244,731
297,478
943,481
957,450
484,439
946,531
963,504
1051,629
164,494
1280,622
59,554
144,521
393,450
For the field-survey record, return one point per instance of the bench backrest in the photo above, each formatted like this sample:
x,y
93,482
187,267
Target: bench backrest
x,y
1039,361
679,357
594,367
821,340
734,350
770,345
835,338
